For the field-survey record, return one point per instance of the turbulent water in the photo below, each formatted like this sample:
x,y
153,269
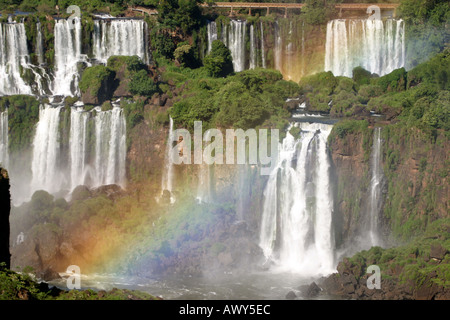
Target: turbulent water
x,y
168,174
296,224
377,46
121,38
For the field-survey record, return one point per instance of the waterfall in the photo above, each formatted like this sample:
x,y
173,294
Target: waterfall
x,y
45,167
278,50
78,146
121,38
205,179
67,56
236,44
106,166
212,34
4,156
252,48
234,39
13,57
375,196
263,54
377,46
296,226
110,147
39,44
168,174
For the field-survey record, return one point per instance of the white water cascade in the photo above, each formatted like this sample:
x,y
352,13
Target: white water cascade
x,y
67,56
110,147
205,178
375,196
377,46
13,57
253,58
78,144
263,54
39,44
102,164
296,225
236,43
168,174
234,38
46,174
4,156
212,34
121,38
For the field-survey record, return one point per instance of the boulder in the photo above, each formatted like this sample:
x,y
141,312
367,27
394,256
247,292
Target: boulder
x,y
5,207
291,295
437,251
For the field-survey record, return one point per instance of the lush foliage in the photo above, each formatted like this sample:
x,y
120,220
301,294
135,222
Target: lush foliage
x,y
248,99
23,114
23,286
141,84
219,62
415,262
427,28
94,78
318,11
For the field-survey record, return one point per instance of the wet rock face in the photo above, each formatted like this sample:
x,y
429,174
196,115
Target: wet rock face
x,y
5,207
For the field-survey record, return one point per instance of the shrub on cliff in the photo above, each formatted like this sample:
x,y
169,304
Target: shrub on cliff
x,y
218,62
23,114
97,84
142,84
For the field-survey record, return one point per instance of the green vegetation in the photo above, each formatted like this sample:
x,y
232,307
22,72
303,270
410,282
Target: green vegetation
x,y
249,99
219,62
141,84
318,11
22,286
425,258
426,28
23,114
94,78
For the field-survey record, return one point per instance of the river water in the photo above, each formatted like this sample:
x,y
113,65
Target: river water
x,y
253,286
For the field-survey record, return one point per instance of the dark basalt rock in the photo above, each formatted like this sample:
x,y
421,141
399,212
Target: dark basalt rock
x,y
5,207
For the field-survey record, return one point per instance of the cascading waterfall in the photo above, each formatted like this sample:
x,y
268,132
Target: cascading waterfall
x,y
13,57
4,156
375,196
46,174
212,34
205,176
263,54
110,147
377,46
296,225
236,44
39,44
78,142
278,59
67,57
120,37
105,166
252,48
168,174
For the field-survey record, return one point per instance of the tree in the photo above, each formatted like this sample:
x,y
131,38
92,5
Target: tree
x,y
219,62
